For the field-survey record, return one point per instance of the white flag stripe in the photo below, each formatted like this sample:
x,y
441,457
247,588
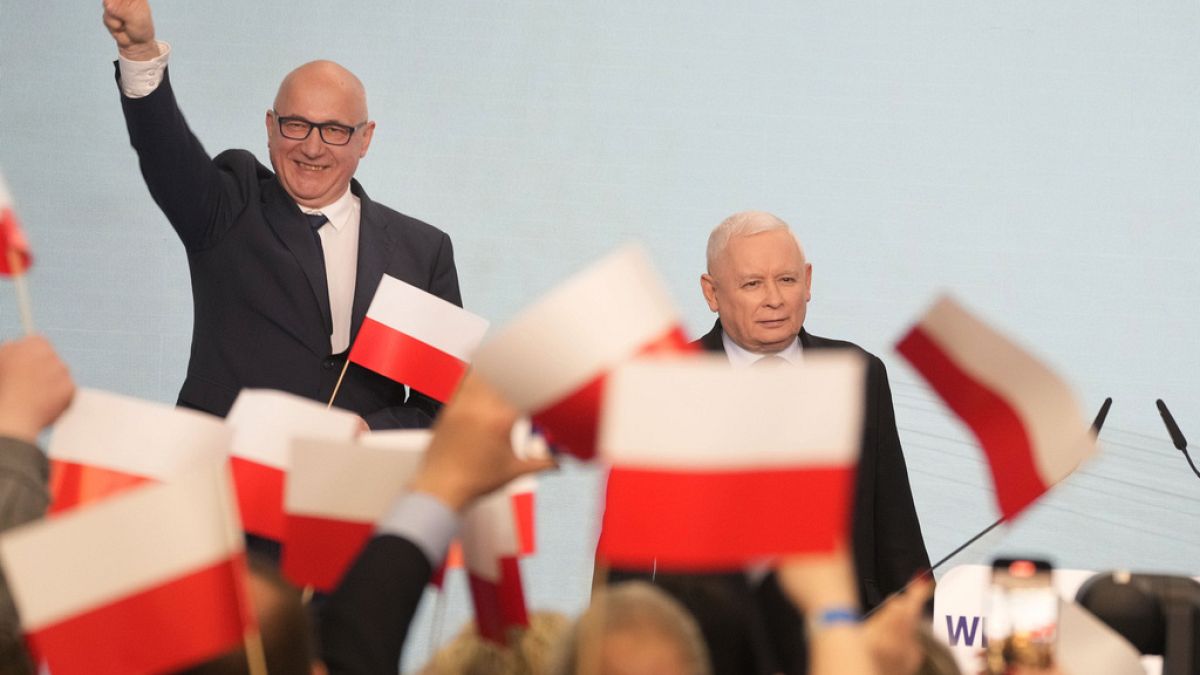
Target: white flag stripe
x,y
1044,402
345,481
265,421
133,542
427,318
415,440
136,437
488,534
697,413
577,331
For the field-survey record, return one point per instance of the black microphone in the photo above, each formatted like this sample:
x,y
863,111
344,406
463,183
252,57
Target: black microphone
x,y
1172,428
1176,435
1099,421
1096,425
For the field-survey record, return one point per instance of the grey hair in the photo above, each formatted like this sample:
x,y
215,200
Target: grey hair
x,y
642,608
744,224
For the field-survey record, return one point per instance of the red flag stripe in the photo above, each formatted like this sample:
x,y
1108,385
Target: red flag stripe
x,y
98,642
719,520
570,424
260,497
994,421
319,550
406,359
12,238
73,484
499,606
523,514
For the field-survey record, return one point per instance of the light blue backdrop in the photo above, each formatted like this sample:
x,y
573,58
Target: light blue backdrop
x,y
1039,160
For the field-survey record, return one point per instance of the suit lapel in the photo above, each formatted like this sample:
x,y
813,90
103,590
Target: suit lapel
x,y
289,225
374,247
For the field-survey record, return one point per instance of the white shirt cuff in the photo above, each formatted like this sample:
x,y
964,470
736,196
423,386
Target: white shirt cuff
x,y
423,520
140,78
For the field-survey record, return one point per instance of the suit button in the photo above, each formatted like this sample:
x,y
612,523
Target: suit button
x,y
329,363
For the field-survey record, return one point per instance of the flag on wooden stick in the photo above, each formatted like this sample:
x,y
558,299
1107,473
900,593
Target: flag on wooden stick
x,y
417,338
491,552
152,580
701,482
552,360
105,443
1025,417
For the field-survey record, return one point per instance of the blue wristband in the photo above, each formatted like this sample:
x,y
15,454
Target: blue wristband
x,y
835,616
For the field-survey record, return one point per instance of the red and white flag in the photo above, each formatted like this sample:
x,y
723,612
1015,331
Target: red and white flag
x,y
336,492
13,246
149,581
552,360
105,443
417,338
492,552
1025,417
264,423
715,467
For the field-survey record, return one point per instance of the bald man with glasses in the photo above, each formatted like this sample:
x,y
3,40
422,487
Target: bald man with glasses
x,y
284,261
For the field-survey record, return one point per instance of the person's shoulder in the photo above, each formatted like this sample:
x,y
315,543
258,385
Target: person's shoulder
x,y
406,226
243,163
810,341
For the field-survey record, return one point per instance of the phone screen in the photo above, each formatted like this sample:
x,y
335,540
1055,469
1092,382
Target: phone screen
x,y
1022,623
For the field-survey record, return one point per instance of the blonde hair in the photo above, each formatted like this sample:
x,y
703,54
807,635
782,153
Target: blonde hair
x,y
470,654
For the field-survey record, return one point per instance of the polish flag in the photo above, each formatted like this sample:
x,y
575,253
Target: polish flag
x,y
552,360
336,492
264,423
522,491
704,482
153,580
417,338
491,551
105,443
1025,417
13,246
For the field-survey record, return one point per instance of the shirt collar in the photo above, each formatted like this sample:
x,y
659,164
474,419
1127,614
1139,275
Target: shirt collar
x,y
338,212
741,357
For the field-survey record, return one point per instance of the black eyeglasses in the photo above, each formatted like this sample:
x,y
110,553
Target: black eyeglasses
x,y
298,129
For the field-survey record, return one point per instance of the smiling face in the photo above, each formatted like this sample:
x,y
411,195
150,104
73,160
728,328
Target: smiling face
x,y
313,172
760,287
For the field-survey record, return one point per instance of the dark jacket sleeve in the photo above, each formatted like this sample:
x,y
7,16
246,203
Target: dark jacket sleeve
x,y
199,199
365,622
23,498
899,546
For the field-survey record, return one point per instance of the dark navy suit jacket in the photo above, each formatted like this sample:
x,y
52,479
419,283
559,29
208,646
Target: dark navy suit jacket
x,y
260,302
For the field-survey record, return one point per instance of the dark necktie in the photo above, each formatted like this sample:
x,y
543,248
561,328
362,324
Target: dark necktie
x,y
315,221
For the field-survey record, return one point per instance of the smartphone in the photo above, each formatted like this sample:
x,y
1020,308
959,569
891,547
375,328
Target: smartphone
x,y
1022,622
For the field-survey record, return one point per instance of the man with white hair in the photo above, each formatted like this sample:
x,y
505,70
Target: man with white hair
x,y
759,284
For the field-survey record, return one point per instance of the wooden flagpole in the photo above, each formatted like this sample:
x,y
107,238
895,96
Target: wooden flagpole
x,y
338,386
23,303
